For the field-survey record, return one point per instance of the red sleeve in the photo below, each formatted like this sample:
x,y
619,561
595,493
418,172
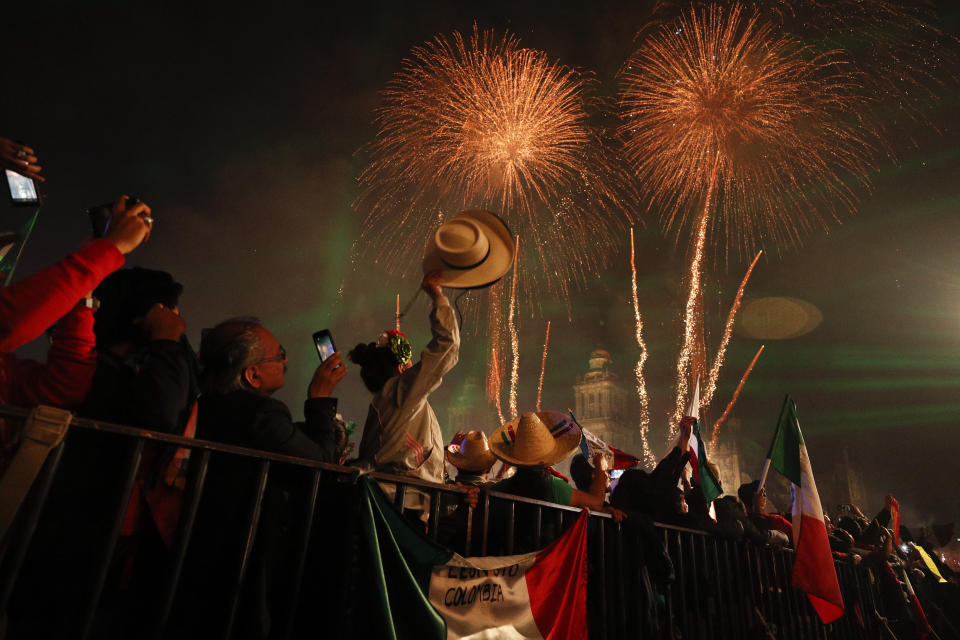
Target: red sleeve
x,y
779,523
67,375
28,307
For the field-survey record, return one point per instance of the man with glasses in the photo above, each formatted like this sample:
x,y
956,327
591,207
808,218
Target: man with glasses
x,y
243,365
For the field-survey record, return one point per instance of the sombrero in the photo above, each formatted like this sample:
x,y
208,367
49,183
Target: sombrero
x,y
471,250
536,439
472,453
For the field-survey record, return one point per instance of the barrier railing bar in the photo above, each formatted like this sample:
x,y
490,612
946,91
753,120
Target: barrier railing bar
x,y
669,591
434,514
538,515
602,562
188,515
131,470
29,517
621,592
511,519
250,534
399,496
708,584
303,546
486,523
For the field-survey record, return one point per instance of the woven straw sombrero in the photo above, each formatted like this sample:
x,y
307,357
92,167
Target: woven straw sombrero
x,y
536,439
472,454
471,250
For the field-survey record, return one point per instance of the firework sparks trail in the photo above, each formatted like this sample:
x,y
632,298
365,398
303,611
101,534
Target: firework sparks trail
x,y
543,366
398,312
493,382
727,332
479,121
747,136
514,336
648,456
691,313
733,400
717,104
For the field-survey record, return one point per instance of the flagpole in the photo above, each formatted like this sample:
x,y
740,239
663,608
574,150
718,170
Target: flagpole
x,y
763,474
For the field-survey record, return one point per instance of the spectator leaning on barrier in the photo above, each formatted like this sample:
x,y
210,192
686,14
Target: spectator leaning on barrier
x,y
402,434
57,295
243,365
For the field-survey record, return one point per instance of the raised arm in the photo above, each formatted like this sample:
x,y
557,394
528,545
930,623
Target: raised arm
x,y
441,354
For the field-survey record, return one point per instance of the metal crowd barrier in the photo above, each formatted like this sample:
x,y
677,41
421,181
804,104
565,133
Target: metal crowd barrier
x,y
721,588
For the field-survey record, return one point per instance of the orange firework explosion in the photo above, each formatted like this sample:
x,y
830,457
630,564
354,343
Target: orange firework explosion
x,y
718,106
904,61
742,134
482,122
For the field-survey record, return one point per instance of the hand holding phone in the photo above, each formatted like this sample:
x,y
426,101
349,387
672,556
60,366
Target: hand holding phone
x,y
327,376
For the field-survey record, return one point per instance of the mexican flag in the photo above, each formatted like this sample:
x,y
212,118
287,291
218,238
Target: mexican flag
x,y
709,483
415,588
813,568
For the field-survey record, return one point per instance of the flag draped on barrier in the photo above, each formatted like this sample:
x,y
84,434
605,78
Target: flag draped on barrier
x,y
813,568
423,590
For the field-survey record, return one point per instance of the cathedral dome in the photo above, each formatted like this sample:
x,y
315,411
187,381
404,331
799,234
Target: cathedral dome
x,y
599,359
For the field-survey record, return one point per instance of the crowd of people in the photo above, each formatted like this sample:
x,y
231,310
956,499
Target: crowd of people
x,y
119,354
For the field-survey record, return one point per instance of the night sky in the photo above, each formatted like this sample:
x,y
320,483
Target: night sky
x,y
242,126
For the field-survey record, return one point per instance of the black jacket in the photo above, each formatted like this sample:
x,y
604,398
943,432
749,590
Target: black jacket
x,y
249,419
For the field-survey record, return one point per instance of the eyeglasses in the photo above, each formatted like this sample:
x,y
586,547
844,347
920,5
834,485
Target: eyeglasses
x,y
280,357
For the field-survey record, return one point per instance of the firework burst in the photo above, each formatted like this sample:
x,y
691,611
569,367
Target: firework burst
x,y
746,136
717,107
903,60
483,122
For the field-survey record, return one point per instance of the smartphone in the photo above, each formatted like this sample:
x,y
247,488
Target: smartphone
x,y
23,190
324,344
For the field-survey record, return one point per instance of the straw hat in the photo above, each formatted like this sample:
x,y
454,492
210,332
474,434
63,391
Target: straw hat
x,y
471,250
536,439
472,454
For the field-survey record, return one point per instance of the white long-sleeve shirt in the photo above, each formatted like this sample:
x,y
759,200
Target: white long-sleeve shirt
x,y
401,434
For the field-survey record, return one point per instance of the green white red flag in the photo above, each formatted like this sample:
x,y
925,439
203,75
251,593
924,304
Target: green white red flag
x,y
813,568
709,483
423,590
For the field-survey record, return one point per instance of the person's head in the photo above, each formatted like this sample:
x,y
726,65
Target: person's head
x,y
581,472
379,361
756,502
241,354
125,297
634,492
377,365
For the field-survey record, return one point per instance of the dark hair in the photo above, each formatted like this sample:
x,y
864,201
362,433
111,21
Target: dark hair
x,y
746,492
532,482
581,472
377,364
225,351
128,295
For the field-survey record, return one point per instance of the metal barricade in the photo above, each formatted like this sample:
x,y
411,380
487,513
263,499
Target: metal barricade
x,y
721,588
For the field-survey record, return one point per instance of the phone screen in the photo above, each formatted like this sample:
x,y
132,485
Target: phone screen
x,y
23,190
324,343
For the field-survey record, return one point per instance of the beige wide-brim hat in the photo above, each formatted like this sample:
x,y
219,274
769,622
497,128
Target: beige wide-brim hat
x,y
471,250
536,439
472,454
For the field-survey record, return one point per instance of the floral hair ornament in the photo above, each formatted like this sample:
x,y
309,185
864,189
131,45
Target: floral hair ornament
x,y
398,344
